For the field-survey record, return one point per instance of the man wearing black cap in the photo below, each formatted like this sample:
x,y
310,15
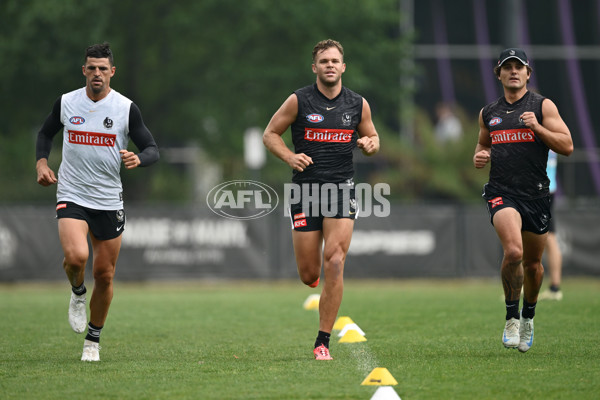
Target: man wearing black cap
x,y
515,133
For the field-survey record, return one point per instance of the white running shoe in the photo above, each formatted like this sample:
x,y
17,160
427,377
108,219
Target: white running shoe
x,y
526,334
77,313
550,295
510,337
91,351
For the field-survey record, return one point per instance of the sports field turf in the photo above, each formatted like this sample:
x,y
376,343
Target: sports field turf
x,y
245,340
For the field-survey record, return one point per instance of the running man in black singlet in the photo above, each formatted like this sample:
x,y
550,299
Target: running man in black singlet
x,y
515,133
325,119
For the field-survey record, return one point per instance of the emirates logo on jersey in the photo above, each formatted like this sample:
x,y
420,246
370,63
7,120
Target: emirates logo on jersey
x,y
92,138
513,136
328,135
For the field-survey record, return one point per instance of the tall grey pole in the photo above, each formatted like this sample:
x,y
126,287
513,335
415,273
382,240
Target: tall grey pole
x,y
511,36
407,67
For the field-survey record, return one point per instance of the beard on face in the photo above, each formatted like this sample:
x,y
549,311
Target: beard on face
x,y
96,89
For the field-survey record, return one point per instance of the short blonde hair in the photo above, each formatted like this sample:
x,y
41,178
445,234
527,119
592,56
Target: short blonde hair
x,y
324,45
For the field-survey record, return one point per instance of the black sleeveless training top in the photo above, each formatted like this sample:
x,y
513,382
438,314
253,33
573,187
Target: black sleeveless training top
x,y
325,130
519,157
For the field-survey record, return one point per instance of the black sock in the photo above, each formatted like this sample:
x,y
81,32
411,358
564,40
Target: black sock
x,y
79,290
554,288
93,334
512,309
528,309
322,339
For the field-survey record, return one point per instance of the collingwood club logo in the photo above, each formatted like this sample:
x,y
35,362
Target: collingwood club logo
x,y
346,119
242,199
108,123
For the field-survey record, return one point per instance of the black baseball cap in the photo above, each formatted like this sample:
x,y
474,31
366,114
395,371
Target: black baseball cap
x,y
514,52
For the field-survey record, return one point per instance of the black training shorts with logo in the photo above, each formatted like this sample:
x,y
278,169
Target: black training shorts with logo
x,y
535,213
104,225
551,225
322,200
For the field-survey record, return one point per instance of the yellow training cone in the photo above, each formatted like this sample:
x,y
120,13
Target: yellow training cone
x,y
312,302
341,322
380,377
350,327
352,336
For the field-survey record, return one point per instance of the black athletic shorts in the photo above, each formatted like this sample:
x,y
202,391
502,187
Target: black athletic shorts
x,y
104,225
322,200
551,227
535,214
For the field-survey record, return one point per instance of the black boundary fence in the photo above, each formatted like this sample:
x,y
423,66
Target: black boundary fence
x,y
428,241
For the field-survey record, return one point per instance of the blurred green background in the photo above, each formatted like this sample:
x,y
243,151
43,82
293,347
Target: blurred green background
x,y
203,72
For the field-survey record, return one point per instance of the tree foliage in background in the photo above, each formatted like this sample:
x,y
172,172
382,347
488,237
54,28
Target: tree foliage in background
x,y
202,73
432,170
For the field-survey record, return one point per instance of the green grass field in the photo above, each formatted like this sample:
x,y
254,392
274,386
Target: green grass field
x,y
243,340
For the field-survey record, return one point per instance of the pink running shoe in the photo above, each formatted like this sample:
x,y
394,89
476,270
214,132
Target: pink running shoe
x,y
315,283
322,353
